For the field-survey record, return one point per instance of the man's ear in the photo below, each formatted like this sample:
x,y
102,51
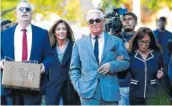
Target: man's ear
x,y
136,23
104,20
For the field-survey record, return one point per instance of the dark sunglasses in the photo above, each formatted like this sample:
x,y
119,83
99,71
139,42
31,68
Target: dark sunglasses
x,y
91,21
21,9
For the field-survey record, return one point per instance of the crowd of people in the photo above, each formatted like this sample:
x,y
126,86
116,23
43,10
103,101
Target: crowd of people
x,y
130,68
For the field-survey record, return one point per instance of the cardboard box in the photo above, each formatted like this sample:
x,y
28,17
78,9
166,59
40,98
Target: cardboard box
x,y
21,75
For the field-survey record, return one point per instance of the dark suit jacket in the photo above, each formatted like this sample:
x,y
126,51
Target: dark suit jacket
x,y
57,74
170,70
164,43
41,50
143,74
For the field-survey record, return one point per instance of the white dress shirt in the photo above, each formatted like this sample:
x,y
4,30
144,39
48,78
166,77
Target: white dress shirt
x,y
101,44
18,38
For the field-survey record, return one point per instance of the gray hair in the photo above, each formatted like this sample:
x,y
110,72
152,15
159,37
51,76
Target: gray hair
x,y
23,1
95,11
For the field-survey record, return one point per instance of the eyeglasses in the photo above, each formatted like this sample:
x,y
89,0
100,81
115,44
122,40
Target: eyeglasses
x,y
141,42
91,21
27,9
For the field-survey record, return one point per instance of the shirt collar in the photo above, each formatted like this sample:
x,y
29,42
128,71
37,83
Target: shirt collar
x,y
100,36
28,28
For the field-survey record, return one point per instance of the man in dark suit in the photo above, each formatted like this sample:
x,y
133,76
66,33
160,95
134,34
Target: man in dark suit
x,y
170,63
162,36
26,42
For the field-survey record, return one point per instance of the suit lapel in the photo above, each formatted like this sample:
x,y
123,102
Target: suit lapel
x,y
90,47
68,53
55,55
34,40
138,56
11,43
106,47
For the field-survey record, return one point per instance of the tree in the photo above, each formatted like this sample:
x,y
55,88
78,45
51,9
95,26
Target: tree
x,y
67,9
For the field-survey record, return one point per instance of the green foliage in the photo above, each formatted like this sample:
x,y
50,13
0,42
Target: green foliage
x,y
116,3
6,5
71,9
155,5
151,5
67,9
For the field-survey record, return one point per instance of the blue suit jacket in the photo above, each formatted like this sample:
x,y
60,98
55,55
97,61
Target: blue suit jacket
x,y
84,67
40,51
144,71
170,69
164,43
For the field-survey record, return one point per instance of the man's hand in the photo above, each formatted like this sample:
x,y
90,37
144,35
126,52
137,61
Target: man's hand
x,y
120,58
105,68
160,74
42,68
2,64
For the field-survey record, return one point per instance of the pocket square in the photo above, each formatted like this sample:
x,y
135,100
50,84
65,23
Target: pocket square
x,y
113,49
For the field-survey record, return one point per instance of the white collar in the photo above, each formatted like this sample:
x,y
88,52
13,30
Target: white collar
x,y
100,36
28,28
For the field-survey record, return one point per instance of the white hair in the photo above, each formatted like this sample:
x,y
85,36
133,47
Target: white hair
x,y
95,11
23,1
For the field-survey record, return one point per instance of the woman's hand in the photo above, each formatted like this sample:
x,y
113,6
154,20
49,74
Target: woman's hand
x,y
160,74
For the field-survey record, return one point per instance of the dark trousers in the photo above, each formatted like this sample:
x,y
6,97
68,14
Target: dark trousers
x,y
142,101
27,97
68,94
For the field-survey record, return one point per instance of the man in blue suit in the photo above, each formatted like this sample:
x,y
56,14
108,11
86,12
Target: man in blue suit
x,y
170,70
94,64
170,62
163,36
26,42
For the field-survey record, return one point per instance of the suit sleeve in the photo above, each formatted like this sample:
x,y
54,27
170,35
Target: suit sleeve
x,y
47,53
75,67
170,70
2,45
117,66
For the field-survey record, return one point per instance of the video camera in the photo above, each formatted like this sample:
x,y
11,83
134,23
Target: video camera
x,y
114,23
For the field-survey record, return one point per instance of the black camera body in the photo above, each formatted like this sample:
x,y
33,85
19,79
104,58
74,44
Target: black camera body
x,y
114,23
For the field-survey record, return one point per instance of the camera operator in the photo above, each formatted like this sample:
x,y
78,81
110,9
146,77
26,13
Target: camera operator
x,y
129,22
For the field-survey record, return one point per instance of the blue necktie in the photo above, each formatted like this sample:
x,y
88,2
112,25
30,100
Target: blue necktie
x,y
96,48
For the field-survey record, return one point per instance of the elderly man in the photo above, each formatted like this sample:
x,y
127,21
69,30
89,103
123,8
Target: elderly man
x,y
94,64
26,42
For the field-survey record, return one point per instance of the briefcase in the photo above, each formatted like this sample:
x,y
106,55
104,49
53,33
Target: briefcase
x,y
20,75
